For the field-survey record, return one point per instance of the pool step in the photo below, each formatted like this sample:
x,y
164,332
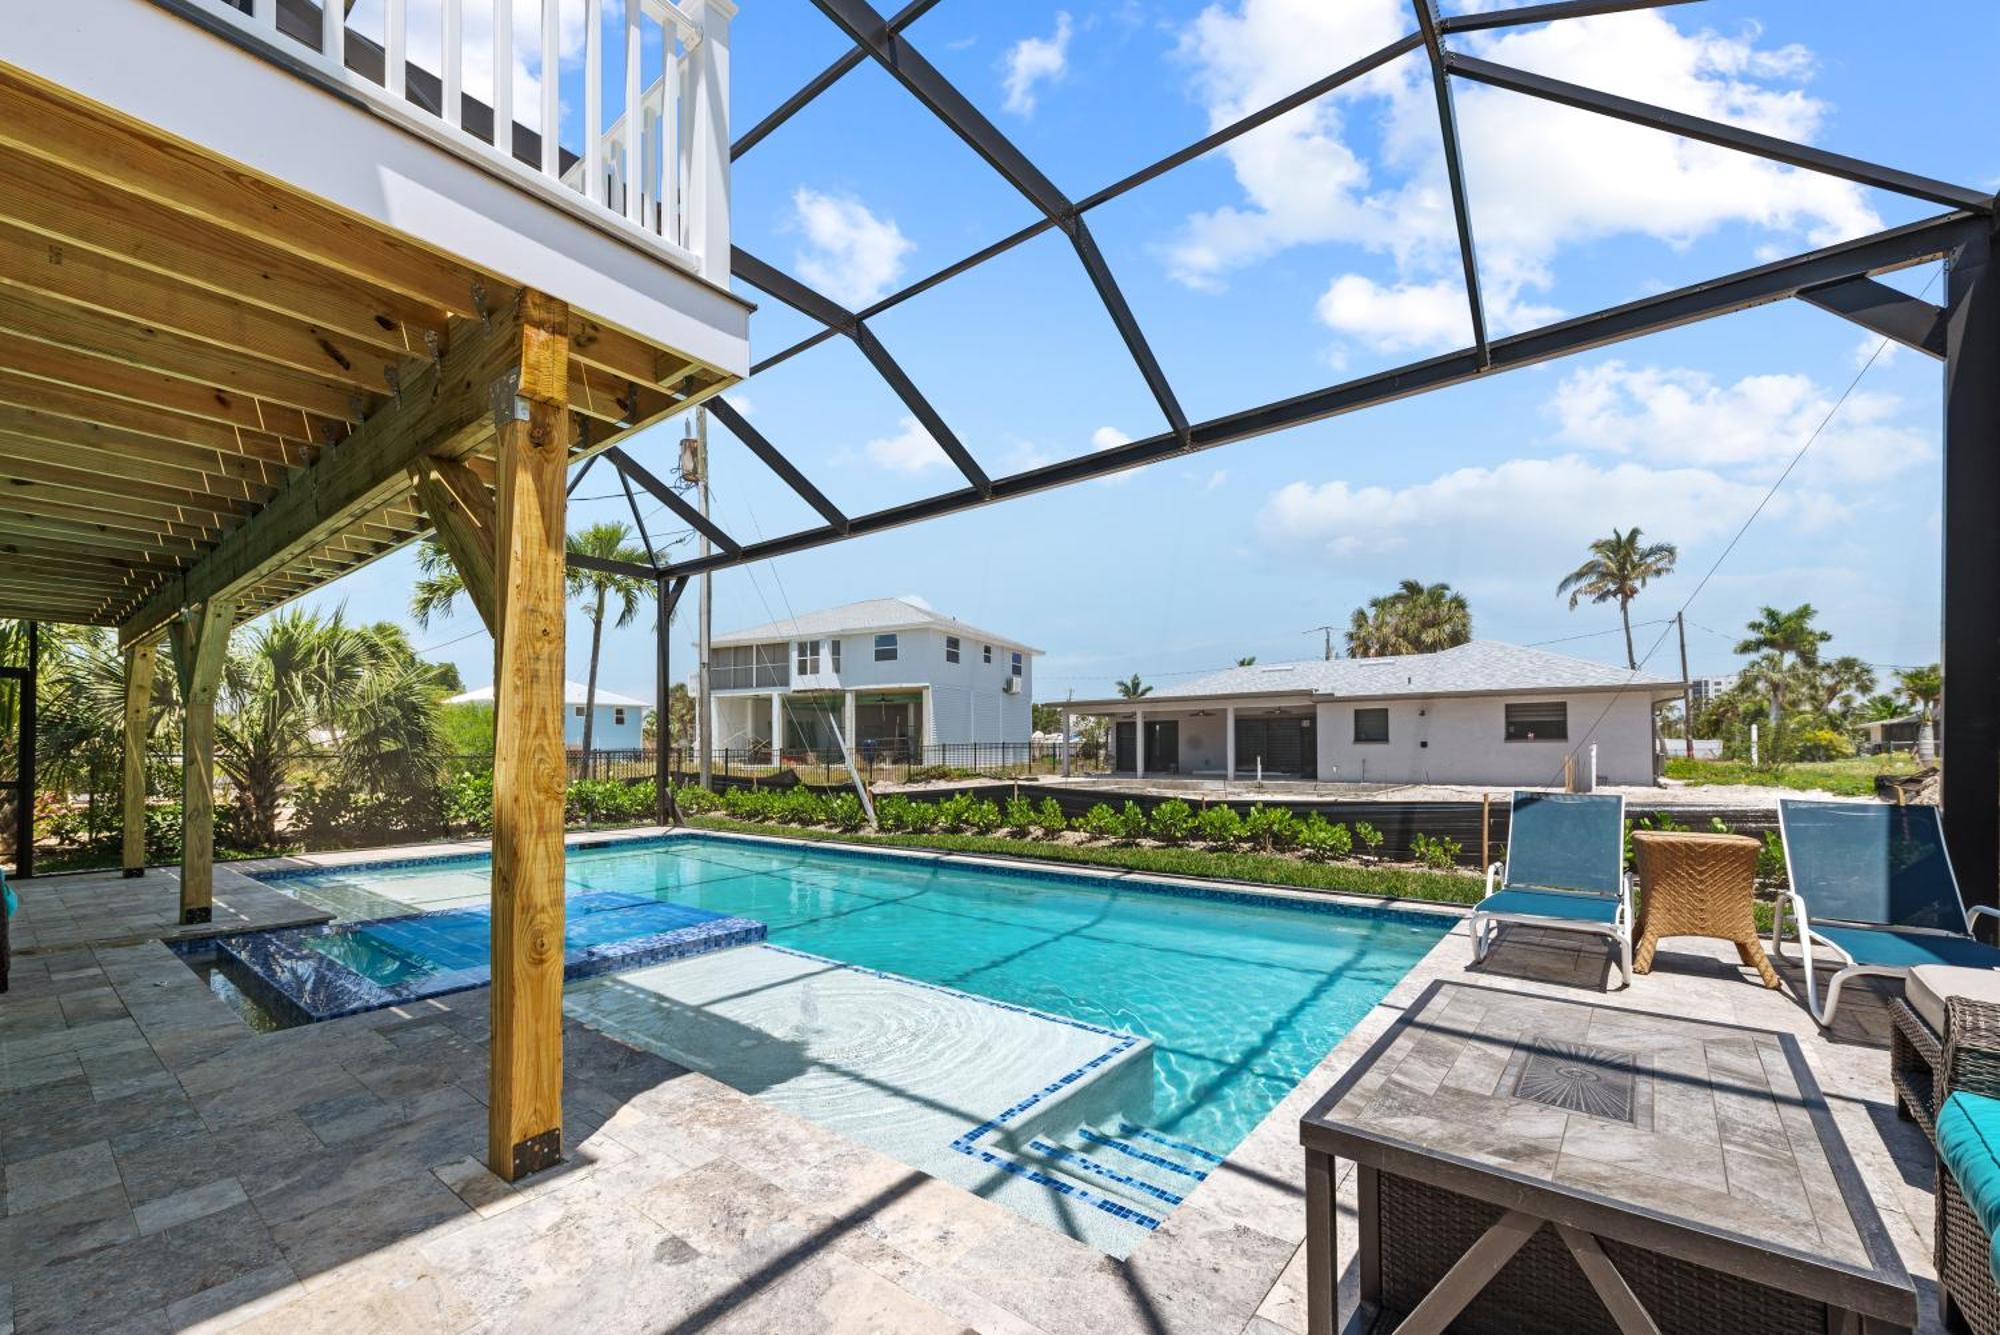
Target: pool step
x,y
1146,1171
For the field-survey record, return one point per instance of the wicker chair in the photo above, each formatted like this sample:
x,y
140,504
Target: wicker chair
x,y
1965,1258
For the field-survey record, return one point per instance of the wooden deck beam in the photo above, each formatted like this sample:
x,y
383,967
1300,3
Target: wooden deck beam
x,y
461,510
524,1130
444,411
139,662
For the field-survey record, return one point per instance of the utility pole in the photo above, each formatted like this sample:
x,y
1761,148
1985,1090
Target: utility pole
x,y
694,457
1687,688
1327,648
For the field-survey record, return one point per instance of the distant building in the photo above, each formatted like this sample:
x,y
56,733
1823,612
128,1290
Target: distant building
x,y
1480,713
1702,690
893,675
621,720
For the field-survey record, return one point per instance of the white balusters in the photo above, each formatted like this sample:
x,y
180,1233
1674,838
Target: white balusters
x,y
453,59
551,88
265,13
673,146
635,120
503,76
593,101
395,46
333,31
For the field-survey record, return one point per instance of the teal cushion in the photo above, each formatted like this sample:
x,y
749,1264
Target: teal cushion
x,y
1885,949
1551,904
1968,1141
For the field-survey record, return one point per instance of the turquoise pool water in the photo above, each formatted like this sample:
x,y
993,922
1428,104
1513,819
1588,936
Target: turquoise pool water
x,y
1241,1000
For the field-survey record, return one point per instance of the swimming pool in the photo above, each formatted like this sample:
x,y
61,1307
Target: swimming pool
x,y
1239,995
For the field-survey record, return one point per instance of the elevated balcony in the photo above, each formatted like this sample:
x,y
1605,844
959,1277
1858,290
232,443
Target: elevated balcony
x,y
234,233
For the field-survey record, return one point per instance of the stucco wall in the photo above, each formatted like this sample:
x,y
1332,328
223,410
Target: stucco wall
x,y
1463,740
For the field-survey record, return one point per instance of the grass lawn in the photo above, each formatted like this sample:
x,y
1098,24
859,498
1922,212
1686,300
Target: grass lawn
x,y
1262,869
1848,778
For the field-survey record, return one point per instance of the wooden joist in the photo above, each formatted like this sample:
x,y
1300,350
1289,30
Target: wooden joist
x,y
87,416
445,411
282,398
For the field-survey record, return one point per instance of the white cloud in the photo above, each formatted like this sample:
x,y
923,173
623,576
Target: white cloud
x,y
1216,479
910,450
849,254
1755,424
1363,167
1407,316
1521,514
742,403
1110,438
1035,60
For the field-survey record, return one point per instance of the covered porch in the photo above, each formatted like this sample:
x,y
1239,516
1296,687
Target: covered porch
x,y
1252,738
254,339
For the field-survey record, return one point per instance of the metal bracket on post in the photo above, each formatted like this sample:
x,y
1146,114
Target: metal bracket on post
x,y
504,398
395,378
435,346
479,306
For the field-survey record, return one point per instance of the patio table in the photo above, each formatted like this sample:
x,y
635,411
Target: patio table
x,y
1529,1164
1698,884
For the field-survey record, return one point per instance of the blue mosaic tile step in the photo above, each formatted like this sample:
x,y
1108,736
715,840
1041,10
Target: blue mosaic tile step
x,y
325,972
1103,1141
1076,1159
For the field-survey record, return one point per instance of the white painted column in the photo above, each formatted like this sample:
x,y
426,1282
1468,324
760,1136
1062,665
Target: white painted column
x,y
708,137
1229,742
714,739
1064,743
777,725
847,718
1139,743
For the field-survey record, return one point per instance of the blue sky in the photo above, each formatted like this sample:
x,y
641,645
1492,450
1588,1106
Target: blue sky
x,y
1317,249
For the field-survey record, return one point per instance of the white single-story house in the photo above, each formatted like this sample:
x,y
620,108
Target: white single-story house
x,y
898,678
621,720
1480,713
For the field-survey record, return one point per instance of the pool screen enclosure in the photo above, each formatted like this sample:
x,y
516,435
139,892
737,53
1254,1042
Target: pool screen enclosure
x,y
1842,279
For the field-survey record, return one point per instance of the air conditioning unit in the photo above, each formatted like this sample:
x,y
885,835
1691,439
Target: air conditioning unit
x,y
1010,686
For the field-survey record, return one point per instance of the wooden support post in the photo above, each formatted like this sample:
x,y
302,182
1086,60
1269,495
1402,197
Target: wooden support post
x,y
139,663
200,641
524,1127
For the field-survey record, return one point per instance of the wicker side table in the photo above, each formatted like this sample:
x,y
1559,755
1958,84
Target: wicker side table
x,y
1698,885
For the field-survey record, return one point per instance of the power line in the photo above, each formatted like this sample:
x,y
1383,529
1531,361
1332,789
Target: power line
x,y
1764,502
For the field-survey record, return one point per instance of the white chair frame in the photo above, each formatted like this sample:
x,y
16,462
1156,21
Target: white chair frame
x,y
1823,1013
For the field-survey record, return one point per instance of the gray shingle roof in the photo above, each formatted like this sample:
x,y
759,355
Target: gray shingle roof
x,y
870,615
1478,666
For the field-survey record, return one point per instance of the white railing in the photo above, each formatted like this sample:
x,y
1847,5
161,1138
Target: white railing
x,y
659,172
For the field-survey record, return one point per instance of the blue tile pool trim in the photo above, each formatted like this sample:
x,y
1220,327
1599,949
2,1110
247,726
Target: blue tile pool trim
x,y
967,1142
1132,1131
1063,1154
920,857
282,972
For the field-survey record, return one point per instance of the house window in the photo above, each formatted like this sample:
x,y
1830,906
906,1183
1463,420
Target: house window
x,y
618,717
833,653
951,648
808,653
885,648
1017,665
579,711
1371,725
986,653
1542,721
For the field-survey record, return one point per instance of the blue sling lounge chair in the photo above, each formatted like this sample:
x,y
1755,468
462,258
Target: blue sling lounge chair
x,y
1565,869
1873,885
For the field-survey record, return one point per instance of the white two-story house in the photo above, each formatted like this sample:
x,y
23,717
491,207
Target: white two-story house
x,y
899,680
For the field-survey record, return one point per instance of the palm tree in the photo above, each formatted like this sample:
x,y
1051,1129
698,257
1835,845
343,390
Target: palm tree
x,y
1923,686
1786,640
1417,618
1248,660
1840,685
1619,566
438,583
1133,688
613,542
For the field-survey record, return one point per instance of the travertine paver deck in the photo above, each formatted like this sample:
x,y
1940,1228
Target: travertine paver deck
x,y
164,1167
109,908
